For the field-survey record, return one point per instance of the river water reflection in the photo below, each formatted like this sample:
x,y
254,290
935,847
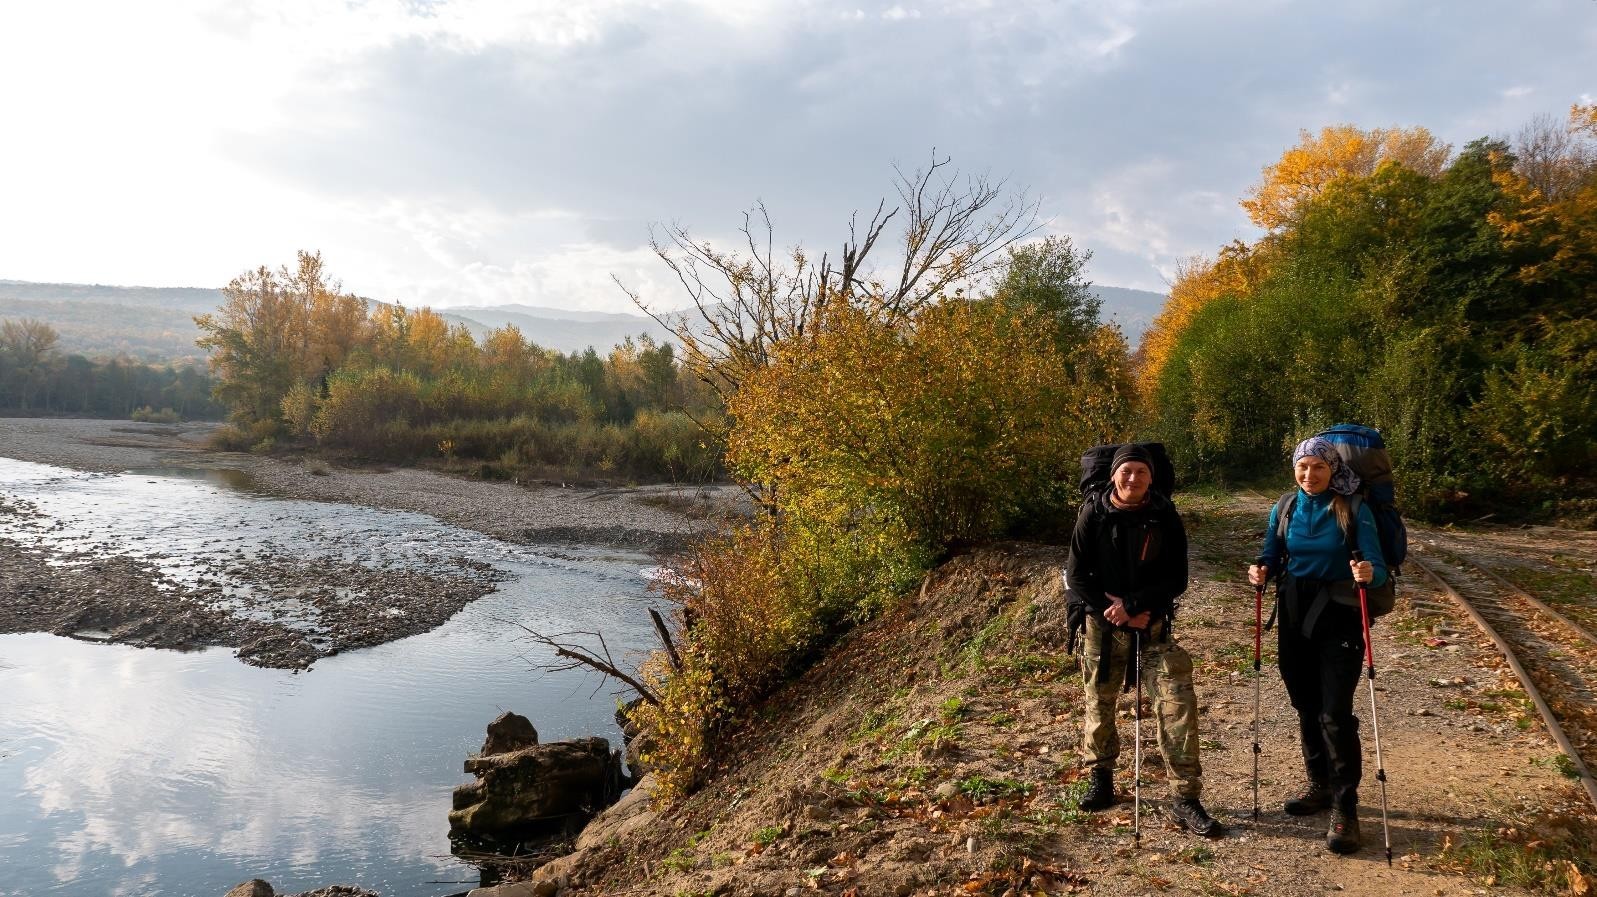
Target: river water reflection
x,y
143,772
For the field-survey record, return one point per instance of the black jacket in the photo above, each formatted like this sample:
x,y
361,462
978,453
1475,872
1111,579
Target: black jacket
x,y
1140,555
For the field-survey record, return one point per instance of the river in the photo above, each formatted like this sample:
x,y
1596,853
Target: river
x,y
129,771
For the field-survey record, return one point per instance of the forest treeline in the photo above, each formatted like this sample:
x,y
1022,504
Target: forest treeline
x,y
1449,299
296,358
36,378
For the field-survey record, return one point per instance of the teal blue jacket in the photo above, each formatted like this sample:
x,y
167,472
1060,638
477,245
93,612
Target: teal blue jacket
x,y
1316,547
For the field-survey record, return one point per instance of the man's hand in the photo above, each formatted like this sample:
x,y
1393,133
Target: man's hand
x,y
1116,614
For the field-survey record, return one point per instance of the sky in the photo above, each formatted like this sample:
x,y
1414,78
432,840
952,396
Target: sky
x,y
469,152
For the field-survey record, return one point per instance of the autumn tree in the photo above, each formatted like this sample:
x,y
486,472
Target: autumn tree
x,y
1199,281
1584,118
25,348
276,329
1339,151
1554,157
1452,308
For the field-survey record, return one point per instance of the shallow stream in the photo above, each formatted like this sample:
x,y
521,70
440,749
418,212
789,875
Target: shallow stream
x,y
127,771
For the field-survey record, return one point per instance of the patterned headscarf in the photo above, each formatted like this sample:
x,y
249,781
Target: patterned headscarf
x,y
1343,479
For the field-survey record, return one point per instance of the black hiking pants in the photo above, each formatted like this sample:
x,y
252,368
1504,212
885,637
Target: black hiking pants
x,y
1321,672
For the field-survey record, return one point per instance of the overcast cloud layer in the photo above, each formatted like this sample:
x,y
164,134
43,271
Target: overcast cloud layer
x,y
481,152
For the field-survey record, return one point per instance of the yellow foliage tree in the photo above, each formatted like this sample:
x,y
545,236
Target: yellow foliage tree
x,y
954,420
1338,151
275,329
1199,281
1584,118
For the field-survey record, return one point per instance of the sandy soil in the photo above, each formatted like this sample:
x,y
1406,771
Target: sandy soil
x,y
129,601
934,752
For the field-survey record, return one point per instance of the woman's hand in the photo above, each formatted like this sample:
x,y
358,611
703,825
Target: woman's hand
x,y
1257,574
1363,571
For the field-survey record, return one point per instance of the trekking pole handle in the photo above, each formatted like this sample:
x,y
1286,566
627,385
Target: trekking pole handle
x,y
1364,612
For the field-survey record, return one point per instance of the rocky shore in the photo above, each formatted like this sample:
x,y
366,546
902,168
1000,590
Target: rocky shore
x,y
657,517
296,607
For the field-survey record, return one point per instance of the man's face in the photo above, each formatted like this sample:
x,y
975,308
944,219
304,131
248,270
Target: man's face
x,y
1131,481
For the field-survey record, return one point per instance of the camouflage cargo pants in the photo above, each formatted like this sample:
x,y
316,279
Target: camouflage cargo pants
x,y
1166,677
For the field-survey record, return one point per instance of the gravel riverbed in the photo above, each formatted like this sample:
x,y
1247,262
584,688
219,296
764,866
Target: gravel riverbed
x,y
279,606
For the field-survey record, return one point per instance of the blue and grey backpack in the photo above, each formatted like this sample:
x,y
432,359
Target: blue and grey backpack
x,y
1363,450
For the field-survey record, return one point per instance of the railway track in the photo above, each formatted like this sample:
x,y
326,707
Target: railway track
x,y
1554,658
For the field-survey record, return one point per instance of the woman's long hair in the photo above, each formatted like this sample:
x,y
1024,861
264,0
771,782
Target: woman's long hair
x,y
1344,512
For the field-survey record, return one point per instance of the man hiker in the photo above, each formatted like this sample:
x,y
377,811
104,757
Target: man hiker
x,y
1127,565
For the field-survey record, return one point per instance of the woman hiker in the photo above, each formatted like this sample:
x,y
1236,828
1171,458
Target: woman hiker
x,y
1321,634
1127,565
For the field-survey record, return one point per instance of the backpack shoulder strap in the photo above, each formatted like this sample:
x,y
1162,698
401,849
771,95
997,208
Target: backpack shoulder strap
x,y
1350,533
1283,515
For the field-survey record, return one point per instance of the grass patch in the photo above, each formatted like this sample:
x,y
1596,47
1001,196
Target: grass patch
x,y
767,836
1565,587
1235,657
1066,808
980,788
974,654
875,724
1554,857
1559,763
680,860
923,732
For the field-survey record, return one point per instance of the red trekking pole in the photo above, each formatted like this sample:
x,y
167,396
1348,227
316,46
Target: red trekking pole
x,y
1375,721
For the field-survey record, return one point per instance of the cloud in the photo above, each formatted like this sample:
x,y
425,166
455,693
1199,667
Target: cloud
x,y
417,142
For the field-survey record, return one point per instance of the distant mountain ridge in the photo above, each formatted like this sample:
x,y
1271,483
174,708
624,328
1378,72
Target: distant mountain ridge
x,y
156,323
1133,310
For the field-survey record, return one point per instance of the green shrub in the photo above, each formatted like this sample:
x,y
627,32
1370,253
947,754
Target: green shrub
x,y
146,414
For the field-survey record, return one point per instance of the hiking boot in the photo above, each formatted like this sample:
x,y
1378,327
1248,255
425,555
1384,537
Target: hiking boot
x,y
1101,792
1190,815
1316,798
1343,835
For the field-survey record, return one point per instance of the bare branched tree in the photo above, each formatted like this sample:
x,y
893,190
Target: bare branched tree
x,y
747,300
1554,156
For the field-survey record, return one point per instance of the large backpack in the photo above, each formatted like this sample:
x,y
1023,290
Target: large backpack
x,y
1363,450
1095,468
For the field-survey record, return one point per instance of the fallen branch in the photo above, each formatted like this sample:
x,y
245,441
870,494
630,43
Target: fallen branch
x,y
580,656
665,638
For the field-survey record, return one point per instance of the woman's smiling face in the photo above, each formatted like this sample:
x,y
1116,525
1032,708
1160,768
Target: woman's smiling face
x,y
1313,474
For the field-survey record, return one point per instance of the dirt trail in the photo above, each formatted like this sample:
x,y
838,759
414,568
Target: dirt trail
x,y
934,752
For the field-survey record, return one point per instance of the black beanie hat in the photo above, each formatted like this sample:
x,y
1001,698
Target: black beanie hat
x,y
1130,452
